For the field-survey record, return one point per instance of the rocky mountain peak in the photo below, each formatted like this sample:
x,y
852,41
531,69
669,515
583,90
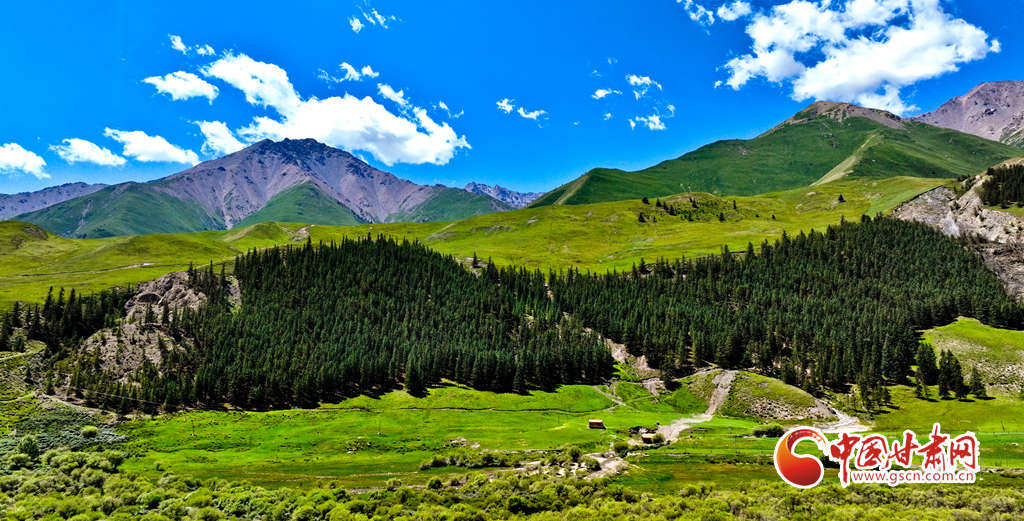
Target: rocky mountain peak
x,y
992,110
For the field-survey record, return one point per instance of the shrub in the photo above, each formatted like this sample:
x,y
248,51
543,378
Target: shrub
x,y
574,453
29,447
658,438
621,447
435,483
90,431
591,464
773,430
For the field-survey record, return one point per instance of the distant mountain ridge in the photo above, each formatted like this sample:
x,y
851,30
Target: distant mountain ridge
x,y
17,204
509,197
823,142
993,110
336,188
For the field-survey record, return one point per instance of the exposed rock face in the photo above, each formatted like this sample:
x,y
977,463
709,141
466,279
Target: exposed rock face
x,y
993,110
1002,233
17,204
237,185
509,197
841,112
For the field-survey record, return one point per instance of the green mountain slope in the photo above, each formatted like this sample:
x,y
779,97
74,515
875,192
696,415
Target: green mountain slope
x,y
824,142
451,204
597,237
125,209
303,203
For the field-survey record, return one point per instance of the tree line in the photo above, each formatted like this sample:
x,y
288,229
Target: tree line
x,y
1005,186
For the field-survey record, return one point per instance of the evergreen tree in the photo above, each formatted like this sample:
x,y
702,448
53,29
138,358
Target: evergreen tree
x,y
926,364
977,384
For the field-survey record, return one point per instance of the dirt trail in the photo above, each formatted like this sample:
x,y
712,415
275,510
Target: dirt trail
x,y
721,393
611,397
845,424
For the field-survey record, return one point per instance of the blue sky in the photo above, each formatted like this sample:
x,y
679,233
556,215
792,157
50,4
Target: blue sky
x,y
537,93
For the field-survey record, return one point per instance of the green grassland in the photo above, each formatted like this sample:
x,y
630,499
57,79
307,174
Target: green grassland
x,y
366,441
125,209
795,155
305,203
597,237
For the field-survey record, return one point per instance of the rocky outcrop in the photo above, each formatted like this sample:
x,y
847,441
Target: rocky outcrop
x,y
999,235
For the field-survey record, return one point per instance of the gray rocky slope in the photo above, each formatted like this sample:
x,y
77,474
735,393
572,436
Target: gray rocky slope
x,y
993,110
24,202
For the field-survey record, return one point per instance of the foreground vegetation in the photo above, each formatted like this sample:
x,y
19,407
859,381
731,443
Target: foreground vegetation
x,y
80,486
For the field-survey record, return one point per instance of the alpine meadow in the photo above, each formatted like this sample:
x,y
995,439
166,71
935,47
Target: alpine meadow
x,y
388,260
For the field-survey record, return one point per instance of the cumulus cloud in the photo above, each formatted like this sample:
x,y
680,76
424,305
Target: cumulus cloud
x,y
177,44
14,159
183,85
219,139
205,50
150,149
653,122
356,24
506,105
642,84
697,12
398,97
264,84
368,72
733,11
81,151
531,115
345,122
861,51
604,92
632,124
607,116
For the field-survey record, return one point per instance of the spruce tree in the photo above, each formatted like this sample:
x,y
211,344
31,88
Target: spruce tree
x,y
977,384
926,366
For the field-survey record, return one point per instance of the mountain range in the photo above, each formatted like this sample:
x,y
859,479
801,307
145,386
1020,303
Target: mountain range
x,y
292,180
823,142
509,197
306,181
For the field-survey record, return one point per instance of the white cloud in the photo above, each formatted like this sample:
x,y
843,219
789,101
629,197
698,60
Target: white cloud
x,y
14,159
344,122
861,51
653,122
183,85
176,43
446,109
697,12
737,9
632,125
368,72
219,139
351,74
380,19
643,84
531,115
356,24
205,50
506,105
81,151
389,93
607,116
595,73
264,84
604,92
150,149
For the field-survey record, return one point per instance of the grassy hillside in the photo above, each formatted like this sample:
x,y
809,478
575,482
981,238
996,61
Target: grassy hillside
x,y
997,353
126,209
811,147
304,203
451,204
597,237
